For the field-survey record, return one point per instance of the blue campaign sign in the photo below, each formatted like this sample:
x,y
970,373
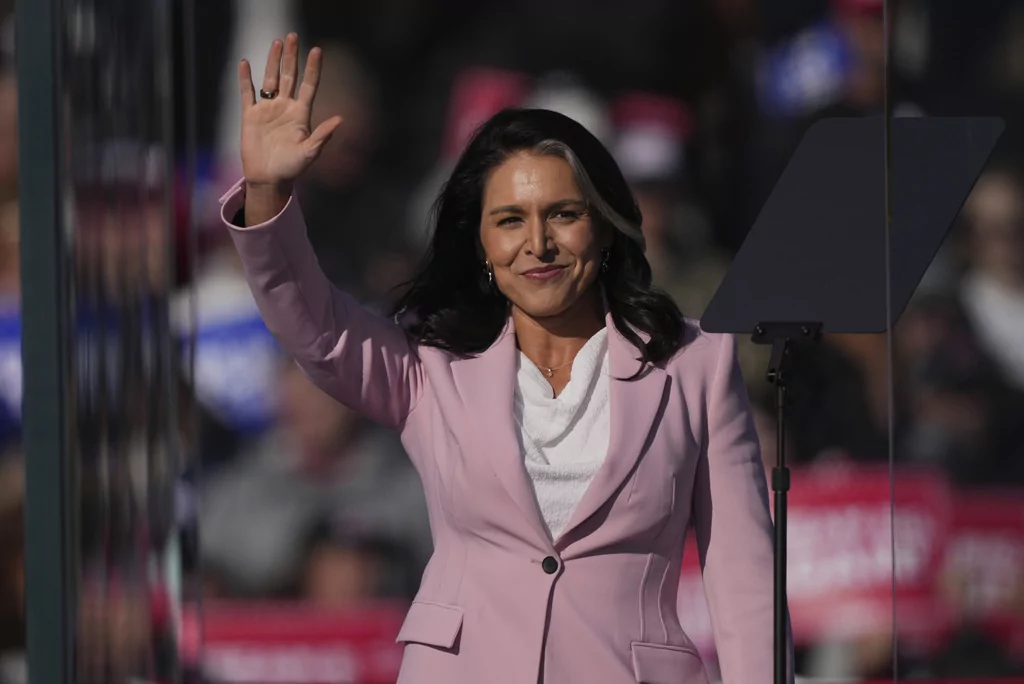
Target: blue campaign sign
x,y
236,363
237,360
87,366
805,73
11,384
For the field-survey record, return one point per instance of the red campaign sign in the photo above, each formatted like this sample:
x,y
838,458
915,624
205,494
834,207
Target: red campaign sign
x,y
840,569
293,643
478,94
983,572
840,563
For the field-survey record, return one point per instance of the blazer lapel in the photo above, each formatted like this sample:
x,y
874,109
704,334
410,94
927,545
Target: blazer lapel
x,y
487,385
634,407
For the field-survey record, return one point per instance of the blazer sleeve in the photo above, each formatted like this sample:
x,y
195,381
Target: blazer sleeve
x,y
364,361
734,531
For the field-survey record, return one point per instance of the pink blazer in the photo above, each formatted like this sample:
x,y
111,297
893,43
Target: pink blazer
x,y
500,603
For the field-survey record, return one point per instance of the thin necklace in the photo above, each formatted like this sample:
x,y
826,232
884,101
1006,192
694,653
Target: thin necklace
x,y
551,371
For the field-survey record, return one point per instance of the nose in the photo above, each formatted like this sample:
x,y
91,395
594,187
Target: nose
x,y
539,239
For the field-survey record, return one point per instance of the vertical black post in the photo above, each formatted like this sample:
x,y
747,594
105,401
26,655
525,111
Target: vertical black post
x,y
780,483
50,568
778,375
784,338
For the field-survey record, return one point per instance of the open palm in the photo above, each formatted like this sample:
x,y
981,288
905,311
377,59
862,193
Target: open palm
x,y
278,144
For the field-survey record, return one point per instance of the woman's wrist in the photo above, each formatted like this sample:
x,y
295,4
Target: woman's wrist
x,y
264,201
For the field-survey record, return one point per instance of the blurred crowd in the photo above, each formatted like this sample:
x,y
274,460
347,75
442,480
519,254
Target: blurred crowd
x,y
286,495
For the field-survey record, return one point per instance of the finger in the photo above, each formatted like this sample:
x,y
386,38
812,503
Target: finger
x,y
311,77
272,76
322,134
290,66
245,85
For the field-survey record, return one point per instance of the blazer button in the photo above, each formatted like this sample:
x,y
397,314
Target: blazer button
x,y
549,565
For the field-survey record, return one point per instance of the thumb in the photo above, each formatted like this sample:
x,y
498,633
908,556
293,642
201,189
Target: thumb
x,y
322,134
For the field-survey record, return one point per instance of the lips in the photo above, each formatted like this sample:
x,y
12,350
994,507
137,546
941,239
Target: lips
x,y
544,272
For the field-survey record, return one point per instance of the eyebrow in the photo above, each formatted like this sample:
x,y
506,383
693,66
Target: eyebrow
x,y
516,209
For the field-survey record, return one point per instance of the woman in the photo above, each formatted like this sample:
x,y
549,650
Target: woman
x,y
567,423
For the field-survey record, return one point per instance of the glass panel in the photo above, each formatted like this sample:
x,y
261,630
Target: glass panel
x,y
957,364
126,438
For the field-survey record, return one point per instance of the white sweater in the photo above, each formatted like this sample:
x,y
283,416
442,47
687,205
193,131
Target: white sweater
x,y
564,439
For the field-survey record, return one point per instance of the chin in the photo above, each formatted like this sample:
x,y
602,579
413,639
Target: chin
x,y
547,301
547,313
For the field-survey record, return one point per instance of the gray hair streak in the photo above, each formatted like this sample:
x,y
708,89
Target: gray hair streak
x,y
556,148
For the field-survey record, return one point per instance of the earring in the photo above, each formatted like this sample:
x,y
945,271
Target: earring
x,y
604,259
490,273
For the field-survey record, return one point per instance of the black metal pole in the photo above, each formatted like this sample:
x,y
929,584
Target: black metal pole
x,y
778,375
780,484
784,338
50,566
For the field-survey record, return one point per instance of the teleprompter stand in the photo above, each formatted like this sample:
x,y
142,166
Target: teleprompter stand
x,y
825,255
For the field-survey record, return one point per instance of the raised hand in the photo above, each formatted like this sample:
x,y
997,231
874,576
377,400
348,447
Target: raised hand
x,y
278,144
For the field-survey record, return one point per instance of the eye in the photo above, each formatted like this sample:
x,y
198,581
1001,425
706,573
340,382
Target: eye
x,y
566,215
509,220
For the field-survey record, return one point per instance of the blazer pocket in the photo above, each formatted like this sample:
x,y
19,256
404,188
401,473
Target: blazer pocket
x,y
433,624
661,664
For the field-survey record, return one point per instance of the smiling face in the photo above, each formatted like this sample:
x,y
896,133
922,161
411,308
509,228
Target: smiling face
x,y
542,243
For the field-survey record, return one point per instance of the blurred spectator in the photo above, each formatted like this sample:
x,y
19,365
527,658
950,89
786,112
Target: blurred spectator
x,y
117,205
8,111
861,23
323,463
971,654
10,273
346,568
993,290
650,147
841,400
12,571
564,92
9,276
353,211
961,417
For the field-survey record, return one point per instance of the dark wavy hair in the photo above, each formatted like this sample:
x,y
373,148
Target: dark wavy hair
x,y
450,303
